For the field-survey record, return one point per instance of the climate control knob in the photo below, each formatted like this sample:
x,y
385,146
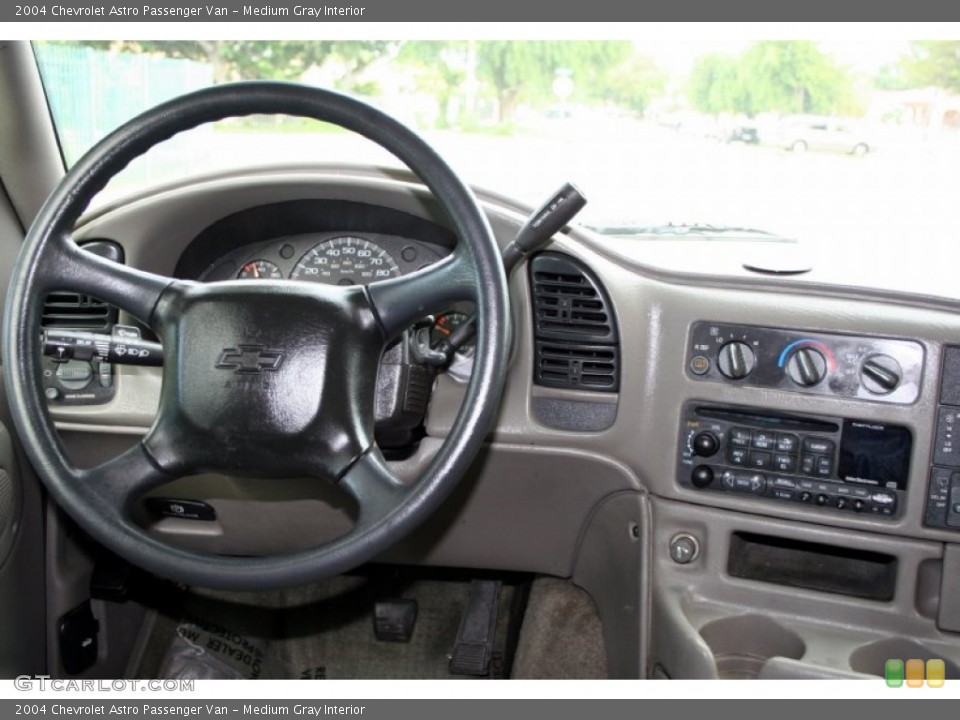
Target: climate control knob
x,y
736,360
806,367
880,374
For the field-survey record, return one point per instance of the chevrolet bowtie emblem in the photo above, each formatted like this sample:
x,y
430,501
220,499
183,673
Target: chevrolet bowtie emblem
x,y
250,359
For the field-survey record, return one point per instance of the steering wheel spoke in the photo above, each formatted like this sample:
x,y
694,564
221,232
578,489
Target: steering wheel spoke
x,y
402,301
118,482
71,268
373,486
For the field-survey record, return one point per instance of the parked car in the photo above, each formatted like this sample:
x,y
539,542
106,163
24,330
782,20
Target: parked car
x,y
832,134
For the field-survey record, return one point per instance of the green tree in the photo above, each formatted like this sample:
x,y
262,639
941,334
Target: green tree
x,y
525,71
634,82
715,85
793,77
773,76
934,62
440,69
891,76
258,59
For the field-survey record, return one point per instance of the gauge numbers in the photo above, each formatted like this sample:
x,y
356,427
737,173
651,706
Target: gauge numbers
x,y
259,270
346,260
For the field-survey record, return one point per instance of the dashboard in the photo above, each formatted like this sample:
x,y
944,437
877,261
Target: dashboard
x,y
690,442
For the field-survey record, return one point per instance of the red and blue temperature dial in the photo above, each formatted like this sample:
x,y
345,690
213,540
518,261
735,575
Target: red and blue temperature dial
x,y
807,362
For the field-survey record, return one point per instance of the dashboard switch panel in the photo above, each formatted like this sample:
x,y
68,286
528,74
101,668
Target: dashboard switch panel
x,y
826,463
943,493
848,366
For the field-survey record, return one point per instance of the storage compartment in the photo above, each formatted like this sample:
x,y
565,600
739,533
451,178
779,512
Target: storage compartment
x,y
741,645
813,566
872,658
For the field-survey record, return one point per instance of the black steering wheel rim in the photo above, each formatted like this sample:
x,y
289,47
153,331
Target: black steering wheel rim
x,y
98,500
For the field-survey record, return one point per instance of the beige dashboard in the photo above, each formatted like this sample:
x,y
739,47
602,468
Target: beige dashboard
x,y
603,505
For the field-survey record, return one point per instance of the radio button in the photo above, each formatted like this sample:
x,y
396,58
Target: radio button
x,y
819,446
761,460
805,496
787,444
740,437
822,499
808,464
782,482
841,503
858,505
763,440
757,484
824,466
753,483
883,503
737,456
785,463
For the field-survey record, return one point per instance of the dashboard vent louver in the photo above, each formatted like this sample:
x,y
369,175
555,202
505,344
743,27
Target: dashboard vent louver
x,y
575,331
584,367
569,303
83,312
77,312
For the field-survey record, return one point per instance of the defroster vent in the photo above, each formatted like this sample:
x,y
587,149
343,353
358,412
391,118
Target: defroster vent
x,y
575,331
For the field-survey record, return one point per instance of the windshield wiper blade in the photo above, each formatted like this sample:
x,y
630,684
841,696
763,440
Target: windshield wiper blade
x,y
684,229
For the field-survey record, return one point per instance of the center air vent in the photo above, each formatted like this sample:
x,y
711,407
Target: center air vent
x,y
577,344
82,312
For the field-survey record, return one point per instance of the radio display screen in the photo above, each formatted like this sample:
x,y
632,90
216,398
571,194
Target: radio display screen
x,y
875,454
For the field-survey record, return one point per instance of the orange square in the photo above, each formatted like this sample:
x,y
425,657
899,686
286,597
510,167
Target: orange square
x,y
914,673
936,673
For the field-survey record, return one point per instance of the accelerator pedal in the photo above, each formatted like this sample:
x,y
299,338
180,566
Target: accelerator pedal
x,y
474,647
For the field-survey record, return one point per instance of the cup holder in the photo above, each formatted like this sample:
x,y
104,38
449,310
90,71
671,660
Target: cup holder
x,y
871,659
742,645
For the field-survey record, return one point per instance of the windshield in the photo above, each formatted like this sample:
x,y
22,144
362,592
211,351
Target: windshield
x,y
787,138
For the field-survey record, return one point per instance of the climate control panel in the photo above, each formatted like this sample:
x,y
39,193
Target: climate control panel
x,y
838,464
877,369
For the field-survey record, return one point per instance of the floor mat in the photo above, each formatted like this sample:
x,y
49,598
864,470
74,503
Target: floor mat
x,y
321,631
561,636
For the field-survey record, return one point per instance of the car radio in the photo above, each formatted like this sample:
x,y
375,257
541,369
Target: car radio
x,y
839,464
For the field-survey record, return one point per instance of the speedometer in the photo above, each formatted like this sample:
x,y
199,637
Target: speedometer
x,y
346,260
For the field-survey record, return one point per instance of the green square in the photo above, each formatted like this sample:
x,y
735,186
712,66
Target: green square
x,y
893,672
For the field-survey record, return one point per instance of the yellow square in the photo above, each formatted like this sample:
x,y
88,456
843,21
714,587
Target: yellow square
x,y
914,673
936,673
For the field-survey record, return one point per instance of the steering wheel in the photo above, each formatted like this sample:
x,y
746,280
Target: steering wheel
x,y
301,400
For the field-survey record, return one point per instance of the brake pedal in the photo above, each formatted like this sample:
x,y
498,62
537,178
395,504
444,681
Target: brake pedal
x,y
474,646
394,620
